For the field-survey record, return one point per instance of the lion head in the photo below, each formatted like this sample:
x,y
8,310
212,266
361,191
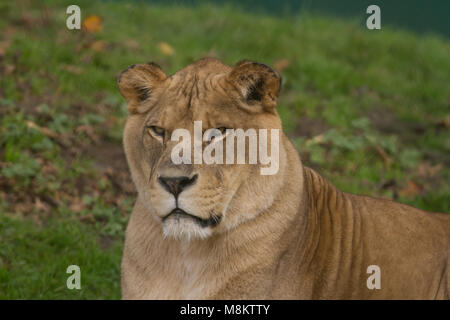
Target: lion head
x,y
198,199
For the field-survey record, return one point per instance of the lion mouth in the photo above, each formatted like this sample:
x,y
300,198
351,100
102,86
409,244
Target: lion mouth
x,y
213,221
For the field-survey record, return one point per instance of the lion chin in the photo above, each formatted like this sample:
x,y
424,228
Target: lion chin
x,y
180,225
184,229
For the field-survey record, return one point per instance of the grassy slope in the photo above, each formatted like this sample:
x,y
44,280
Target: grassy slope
x,y
366,109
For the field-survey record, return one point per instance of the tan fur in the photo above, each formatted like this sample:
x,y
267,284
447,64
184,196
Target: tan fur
x,y
292,235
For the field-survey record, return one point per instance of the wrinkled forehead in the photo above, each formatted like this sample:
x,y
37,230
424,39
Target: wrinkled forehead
x,y
194,87
198,96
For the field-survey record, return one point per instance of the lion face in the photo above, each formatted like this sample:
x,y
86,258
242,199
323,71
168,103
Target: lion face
x,y
196,198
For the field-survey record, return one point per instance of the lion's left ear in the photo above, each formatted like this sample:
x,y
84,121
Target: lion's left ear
x,y
138,83
256,82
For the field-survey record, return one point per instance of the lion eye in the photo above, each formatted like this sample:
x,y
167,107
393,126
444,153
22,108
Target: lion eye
x,y
156,131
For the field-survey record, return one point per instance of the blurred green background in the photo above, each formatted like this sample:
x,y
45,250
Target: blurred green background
x,y
369,110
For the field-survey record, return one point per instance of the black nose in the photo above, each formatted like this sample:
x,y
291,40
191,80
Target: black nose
x,y
176,185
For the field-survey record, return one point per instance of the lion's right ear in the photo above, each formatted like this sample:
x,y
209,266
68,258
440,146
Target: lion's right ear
x,y
138,82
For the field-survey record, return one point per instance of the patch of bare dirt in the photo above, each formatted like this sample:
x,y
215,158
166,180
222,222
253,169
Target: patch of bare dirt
x,y
385,121
309,127
110,160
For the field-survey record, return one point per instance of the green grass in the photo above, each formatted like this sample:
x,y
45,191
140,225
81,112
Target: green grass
x,y
367,109
34,260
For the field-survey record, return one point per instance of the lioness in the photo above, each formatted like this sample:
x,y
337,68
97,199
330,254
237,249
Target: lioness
x,y
225,231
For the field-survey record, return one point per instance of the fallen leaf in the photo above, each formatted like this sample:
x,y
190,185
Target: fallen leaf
x,y
281,64
77,205
72,69
165,48
44,131
41,206
445,122
92,24
425,170
411,189
98,45
132,44
9,69
4,45
315,140
386,159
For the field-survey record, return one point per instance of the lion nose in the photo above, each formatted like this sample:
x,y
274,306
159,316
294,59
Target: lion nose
x,y
176,185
